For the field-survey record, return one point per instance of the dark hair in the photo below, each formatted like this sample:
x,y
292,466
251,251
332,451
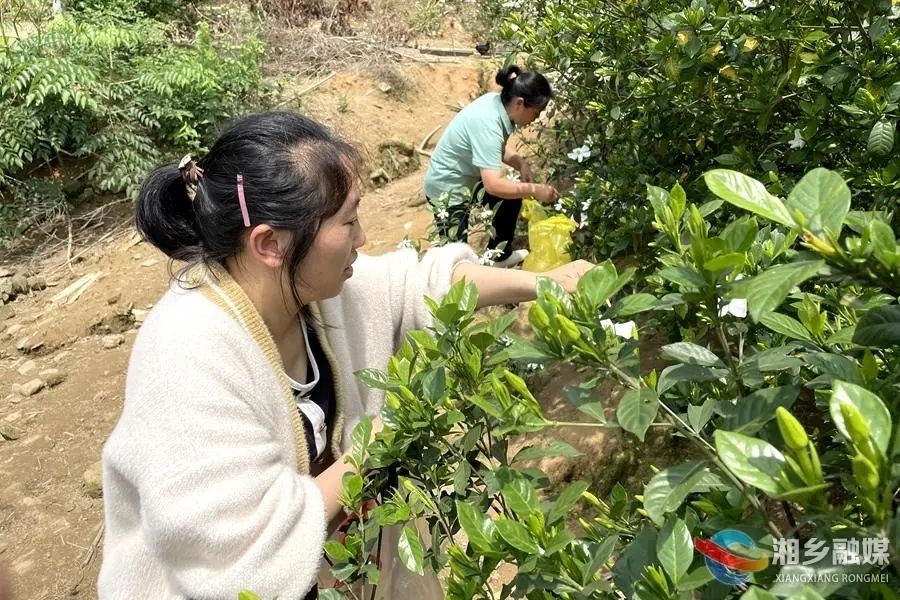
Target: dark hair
x,y
532,87
296,174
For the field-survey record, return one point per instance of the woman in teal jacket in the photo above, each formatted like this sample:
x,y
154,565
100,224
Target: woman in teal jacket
x,y
470,156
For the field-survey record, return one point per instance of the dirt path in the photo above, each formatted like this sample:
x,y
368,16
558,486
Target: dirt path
x,y
50,500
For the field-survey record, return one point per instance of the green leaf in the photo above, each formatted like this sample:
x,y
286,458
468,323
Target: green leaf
x,y
636,411
247,595
725,261
337,551
823,198
692,354
753,461
697,578
786,325
461,478
373,378
554,448
870,406
631,305
768,290
682,276
599,555
879,327
756,593
667,490
409,547
753,411
747,193
601,283
634,559
565,501
698,416
331,594
892,94
675,549
836,75
521,498
881,138
516,535
472,521
676,373
361,436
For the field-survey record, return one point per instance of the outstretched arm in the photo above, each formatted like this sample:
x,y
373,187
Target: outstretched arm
x,y
511,286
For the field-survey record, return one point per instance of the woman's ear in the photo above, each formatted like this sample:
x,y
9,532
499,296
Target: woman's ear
x,y
269,246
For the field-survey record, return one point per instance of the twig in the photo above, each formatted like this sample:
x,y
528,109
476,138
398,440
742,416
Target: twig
x,y
93,548
308,89
69,249
421,147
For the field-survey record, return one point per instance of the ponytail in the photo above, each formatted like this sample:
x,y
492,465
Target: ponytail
x,y
532,87
164,215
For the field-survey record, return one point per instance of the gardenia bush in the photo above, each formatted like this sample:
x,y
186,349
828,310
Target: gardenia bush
x,y
782,375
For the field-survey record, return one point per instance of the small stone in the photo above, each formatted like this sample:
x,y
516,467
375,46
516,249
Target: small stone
x,y
62,356
14,397
9,433
113,340
4,272
149,263
7,312
92,480
27,368
19,284
37,283
139,315
385,87
26,344
14,329
32,387
114,298
52,377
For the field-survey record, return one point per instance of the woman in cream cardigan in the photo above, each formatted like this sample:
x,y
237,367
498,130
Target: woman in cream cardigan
x,y
225,467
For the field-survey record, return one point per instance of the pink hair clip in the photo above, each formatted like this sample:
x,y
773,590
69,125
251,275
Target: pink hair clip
x,y
242,201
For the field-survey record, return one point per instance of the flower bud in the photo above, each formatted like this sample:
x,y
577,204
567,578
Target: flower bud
x,y
855,423
538,317
865,473
791,430
569,330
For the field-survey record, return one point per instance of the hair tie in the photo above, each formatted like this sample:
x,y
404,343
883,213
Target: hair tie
x,y
190,174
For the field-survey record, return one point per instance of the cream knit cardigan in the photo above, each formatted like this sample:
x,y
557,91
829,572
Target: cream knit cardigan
x,y
205,476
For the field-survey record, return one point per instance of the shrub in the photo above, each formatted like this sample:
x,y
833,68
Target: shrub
x,y
657,92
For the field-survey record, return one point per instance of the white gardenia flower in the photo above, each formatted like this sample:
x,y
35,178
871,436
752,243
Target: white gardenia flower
x,y
748,4
586,205
442,214
486,214
406,243
624,330
580,154
798,142
559,206
583,222
736,308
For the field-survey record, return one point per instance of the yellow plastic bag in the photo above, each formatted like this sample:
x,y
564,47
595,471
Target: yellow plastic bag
x,y
548,238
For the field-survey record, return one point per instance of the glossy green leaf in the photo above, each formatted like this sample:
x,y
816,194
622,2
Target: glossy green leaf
x,y
472,521
698,416
873,410
409,547
668,489
881,138
786,325
692,354
753,461
879,327
636,411
747,193
768,290
675,549
823,198
749,414
565,501
516,535
553,448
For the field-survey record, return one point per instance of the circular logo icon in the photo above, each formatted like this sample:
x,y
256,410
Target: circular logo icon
x,y
731,556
